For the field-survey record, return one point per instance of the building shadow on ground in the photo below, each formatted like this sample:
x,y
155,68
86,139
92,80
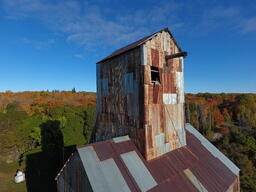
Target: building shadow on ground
x,y
42,167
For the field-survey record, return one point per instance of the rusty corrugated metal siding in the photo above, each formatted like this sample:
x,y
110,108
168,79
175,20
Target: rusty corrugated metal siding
x,y
129,102
163,104
119,110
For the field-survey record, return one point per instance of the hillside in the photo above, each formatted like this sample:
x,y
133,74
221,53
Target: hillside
x,y
31,101
34,127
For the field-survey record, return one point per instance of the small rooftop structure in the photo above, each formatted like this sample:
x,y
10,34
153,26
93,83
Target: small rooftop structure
x,y
140,141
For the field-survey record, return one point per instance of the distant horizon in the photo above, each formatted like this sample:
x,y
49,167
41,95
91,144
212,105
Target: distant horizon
x,y
81,91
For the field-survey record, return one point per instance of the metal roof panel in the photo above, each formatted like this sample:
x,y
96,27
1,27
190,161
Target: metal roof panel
x,y
136,44
138,171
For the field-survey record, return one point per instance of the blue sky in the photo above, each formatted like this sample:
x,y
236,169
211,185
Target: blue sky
x,y
55,44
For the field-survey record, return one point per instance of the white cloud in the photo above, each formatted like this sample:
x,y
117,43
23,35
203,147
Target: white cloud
x,y
225,12
79,56
38,44
95,26
88,24
228,19
248,25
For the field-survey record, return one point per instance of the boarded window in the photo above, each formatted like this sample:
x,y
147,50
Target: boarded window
x,y
155,77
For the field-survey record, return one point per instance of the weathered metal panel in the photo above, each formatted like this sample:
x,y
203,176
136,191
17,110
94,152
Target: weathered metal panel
x,y
60,184
120,107
128,83
180,87
138,171
165,42
132,102
105,89
143,55
93,169
121,139
169,98
103,174
72,176
113,176
160,144
178,184
160,98
192,178
149,133
155,57
168,171
111,150
174,125
214,151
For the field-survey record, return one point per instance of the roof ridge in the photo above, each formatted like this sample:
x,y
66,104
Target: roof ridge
x,y
136,44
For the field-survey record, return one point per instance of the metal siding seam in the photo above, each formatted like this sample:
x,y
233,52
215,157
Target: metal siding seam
x,y
143,54
213,150
139,171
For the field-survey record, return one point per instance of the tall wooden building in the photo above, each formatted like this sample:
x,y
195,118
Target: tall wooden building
x,y
140,141
140,93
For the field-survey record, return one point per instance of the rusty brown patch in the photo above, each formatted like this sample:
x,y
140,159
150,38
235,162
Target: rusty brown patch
x,y
155,57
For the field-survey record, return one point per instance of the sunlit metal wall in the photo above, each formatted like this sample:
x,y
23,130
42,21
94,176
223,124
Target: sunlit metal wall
x,y
163,101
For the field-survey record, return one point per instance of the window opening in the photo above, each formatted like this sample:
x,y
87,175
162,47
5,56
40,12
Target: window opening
x,y
155,77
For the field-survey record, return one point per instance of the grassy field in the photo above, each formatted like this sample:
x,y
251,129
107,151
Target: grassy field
x,y
40,173
7,172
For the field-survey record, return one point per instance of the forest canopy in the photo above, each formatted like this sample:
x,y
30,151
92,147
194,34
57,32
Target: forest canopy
x,y
48,121
229,121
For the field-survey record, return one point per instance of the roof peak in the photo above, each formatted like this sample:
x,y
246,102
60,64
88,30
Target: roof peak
x,y
136,44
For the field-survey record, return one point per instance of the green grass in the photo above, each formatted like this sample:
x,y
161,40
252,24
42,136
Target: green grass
x,y
7,172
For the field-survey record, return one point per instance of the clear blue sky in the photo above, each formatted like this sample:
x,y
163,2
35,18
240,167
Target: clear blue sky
x,y
55,44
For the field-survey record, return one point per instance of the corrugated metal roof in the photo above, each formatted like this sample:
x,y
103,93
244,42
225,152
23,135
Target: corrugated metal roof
x,y
213,150
165,173
138,170
195,181
136,44
103,175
